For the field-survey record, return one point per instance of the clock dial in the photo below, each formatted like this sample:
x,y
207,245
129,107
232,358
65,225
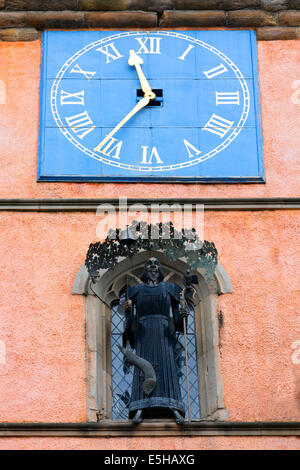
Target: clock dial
x,y
159,104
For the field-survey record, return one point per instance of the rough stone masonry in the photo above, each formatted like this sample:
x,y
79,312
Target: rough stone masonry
x,y
23,20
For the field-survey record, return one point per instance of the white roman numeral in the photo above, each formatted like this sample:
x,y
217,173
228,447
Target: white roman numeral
x,y
81,124
110,146
71,98
86,73
183,56
154,153
218,125
227,98
215,71
190,147
149,45
110,51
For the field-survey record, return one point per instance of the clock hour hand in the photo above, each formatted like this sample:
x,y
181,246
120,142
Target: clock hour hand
x,y
141,104
136,60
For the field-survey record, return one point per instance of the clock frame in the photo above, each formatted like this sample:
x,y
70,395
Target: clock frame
x,y
203,125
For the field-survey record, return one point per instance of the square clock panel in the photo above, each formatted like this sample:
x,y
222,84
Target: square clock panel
x,y
156,106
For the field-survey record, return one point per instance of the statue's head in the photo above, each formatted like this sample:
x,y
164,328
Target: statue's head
x,y
152,271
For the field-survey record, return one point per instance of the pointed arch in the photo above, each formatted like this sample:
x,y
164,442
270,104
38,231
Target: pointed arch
x,y
98,319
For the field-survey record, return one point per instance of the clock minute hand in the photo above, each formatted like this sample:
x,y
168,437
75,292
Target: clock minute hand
x,y
136,60
141,104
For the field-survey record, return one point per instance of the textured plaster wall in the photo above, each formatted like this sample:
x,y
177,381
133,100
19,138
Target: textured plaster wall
x,y
42,324
148,443
20,72
42,335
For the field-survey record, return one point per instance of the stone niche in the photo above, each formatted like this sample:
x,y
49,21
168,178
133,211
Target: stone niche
x,y
97,314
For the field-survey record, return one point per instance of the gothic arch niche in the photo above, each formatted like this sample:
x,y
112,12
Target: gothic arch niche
x,y
98,331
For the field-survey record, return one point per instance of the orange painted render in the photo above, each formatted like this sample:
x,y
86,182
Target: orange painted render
x,y
152,443
43,324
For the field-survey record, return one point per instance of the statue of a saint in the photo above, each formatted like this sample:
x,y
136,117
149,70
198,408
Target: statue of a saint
x,y
152,318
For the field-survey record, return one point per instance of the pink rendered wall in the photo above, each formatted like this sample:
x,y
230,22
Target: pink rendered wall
x,y
42,324
20,72
148,443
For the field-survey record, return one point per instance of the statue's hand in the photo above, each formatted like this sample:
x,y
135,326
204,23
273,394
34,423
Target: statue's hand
x,y
128,305
184,313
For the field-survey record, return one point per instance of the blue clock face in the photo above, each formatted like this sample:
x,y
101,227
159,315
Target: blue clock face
x,y
164,105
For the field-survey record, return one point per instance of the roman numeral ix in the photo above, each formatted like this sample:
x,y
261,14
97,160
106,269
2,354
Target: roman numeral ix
x,y
71,98
81,124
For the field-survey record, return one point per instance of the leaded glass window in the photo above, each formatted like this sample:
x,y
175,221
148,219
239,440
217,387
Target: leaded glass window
x,y
192,368
121,376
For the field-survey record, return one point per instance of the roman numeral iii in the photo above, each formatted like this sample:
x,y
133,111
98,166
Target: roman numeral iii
x,y
149,45
218,125
110,51
81,124
227,98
